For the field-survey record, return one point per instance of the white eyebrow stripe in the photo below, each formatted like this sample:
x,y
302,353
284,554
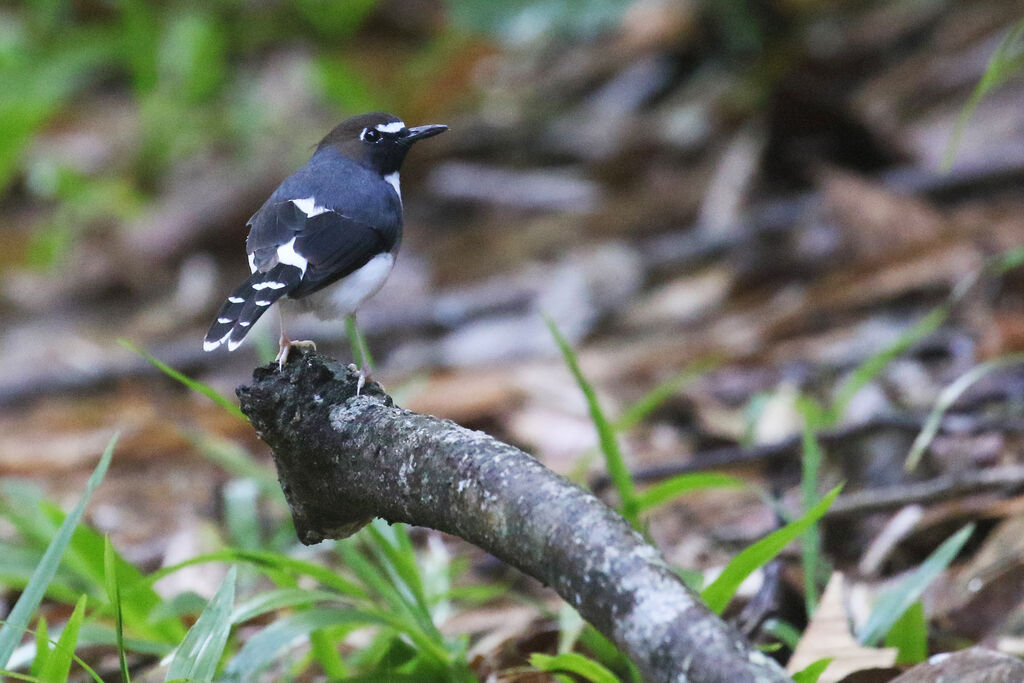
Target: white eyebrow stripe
x,y
393,127
308,206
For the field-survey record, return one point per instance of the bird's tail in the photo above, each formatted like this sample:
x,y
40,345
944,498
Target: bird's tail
x,y
245,306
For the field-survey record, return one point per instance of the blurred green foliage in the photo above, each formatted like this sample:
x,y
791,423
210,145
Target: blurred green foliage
x,y
187,74
1005,63
518,21
182,61
39,76
184,70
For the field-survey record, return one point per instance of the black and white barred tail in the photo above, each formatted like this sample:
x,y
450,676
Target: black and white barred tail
x,y
245,306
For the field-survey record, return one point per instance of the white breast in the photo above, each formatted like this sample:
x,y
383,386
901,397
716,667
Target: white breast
x,y
345,296
392,180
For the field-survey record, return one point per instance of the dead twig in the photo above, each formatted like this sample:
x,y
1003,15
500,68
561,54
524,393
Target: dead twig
x,y
343,459
727,457
1007,478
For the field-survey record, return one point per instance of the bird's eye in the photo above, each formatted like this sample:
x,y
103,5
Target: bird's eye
x,y
371,135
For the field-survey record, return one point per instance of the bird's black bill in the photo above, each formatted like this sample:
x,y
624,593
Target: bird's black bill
x,y
420,132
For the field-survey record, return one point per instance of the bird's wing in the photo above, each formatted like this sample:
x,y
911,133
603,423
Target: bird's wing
x,y
293,252
324,244
337,246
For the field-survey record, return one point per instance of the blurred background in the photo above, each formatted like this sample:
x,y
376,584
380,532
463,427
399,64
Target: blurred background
x,y
792,203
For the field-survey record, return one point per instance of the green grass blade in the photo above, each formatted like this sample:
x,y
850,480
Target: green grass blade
x,y
947,398
114,596
58,664
282,598
1006,261
95,633
86,555
810,546
81,640
16,567
895,601
573,663
661,393
785,632
1007,60
20,506
193,384
720,592
197,657
405,582
360,352
399,559
411,619
324,649
264,647
395,554
42,646
909,635
870,368
18,619
671,489
236,460
812,672
604,650
270,563
371,577
616,464
241,500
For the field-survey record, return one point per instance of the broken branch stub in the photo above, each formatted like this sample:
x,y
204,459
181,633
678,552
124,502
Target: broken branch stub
x,y
343,459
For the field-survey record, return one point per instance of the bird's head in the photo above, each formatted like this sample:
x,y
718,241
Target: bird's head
x,y
377,141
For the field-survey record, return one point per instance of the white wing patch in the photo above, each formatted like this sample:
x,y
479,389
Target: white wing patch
x,y
392,179
393,127
287,255
309,207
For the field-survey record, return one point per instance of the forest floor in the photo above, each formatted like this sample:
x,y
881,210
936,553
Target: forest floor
x,y
773,235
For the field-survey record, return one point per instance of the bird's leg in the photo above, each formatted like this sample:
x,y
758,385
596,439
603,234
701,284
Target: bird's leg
x,y
359,351
284,344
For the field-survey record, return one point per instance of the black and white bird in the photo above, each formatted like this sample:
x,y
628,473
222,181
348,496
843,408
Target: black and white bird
x,y
336,221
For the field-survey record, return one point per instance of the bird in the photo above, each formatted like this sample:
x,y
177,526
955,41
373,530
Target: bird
x,y
329,234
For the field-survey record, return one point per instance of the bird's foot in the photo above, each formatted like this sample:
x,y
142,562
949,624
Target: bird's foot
x,y
286,347
365,375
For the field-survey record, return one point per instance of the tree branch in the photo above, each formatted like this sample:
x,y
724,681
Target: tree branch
x,y
344,459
